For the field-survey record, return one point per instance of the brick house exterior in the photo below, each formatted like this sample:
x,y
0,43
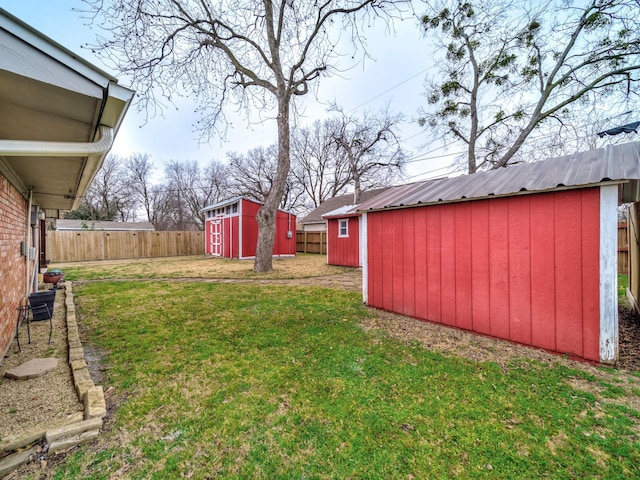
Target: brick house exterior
x,y
60,115
13,211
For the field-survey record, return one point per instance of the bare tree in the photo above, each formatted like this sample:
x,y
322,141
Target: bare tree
x,y
508,68
108,198
195,188
138,168
317,163
371,150
264,51
254,173
163,208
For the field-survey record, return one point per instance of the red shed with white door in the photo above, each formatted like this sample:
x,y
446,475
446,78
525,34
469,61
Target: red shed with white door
x,y
526,253
231,230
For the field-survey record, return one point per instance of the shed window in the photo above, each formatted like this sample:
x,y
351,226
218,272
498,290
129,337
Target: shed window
x,y
343,227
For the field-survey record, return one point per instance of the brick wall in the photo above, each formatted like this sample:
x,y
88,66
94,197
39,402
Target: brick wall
x,y
13,218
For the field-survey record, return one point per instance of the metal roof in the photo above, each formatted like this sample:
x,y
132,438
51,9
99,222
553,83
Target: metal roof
x,y
231,201
334,203
343,211
228,201
611,164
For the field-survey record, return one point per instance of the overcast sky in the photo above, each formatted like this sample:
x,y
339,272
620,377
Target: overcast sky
x,y
395,77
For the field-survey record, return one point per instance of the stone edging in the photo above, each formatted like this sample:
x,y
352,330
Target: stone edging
x,y
78,428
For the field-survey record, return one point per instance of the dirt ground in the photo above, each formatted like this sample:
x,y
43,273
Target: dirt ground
x,y
46,400
451,341
26,404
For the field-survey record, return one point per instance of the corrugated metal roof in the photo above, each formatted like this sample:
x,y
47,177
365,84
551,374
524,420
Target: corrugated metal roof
x,y
231,201
613,163
224,203
333,203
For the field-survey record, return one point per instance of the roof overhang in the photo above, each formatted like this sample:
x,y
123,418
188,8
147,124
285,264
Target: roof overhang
x,y
60,116
345,211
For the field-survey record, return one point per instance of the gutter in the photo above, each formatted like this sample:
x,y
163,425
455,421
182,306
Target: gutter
x,y
37,148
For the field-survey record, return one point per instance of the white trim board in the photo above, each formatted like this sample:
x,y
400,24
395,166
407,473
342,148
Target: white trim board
x,y
364,257
609,274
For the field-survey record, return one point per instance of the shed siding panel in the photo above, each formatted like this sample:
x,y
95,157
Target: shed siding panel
x,y
235,228
519,270
524,268
448,285
397,265
568,257
480,267
420,262
543,279
409,250
375,233
434,270
344,251
283,244
224,229
499,267
591,273
387,262
463,276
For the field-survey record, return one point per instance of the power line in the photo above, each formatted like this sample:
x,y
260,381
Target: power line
x,y
388,90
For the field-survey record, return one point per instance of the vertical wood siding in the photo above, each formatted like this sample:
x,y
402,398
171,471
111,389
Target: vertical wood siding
x,y
343,251
285,244
64,246
523,268
249,228
240,232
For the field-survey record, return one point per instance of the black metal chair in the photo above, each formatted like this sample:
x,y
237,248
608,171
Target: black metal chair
x,y
30,312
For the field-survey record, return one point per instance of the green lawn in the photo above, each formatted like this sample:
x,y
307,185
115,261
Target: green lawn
x,y
278,382
623,284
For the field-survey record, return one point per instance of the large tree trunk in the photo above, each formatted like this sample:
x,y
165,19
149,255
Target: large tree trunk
x,y
267,214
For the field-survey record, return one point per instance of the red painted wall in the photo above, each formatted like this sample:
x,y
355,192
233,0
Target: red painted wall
x,y
283,244
13,219
343,251
524,268
243,227
249,228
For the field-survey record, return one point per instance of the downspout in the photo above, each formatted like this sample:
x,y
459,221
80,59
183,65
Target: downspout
x,y
27,243
34,245
38,148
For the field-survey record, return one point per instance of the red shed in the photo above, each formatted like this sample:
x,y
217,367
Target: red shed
x,y
343,229
526,253
231,230
343,237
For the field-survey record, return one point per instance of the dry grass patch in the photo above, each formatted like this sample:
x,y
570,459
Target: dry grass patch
x,y
201,266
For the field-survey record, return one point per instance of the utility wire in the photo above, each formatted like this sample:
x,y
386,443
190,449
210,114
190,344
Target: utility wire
x,y
388,90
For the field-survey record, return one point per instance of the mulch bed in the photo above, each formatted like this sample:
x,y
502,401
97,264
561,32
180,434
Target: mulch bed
x,y
629,339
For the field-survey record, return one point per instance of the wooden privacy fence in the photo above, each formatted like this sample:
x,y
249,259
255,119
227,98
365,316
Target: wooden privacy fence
x,y
623,248
103,245
311,242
